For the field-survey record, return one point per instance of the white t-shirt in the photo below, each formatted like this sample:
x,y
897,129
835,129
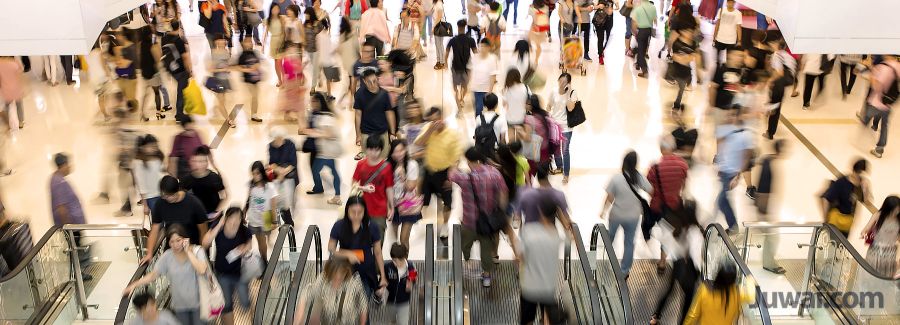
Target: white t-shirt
x,y
260,202
558,103
728,21
515,97
500,127
482,71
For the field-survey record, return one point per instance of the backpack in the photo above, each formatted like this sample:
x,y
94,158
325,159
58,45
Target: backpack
x,y
599,20
171,58
493,29
826,65
485,138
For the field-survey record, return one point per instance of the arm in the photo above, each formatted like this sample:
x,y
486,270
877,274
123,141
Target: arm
x,y
151,240
357,117
377,248
172,168
199,266
607,204
141,282
211,235
869,225
423,138
392,125
333,250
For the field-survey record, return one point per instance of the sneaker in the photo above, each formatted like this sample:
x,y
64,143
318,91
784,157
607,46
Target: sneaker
x,y
751,192
588,59
256,119
806,107
21,125
314,192
732,230
486,280
876,153
556,171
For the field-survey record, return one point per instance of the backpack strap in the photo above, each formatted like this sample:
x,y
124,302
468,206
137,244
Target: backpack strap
x,y
481,116
492,120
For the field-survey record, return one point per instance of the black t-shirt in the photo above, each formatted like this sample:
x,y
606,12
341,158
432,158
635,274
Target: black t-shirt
x,y
188,213
462,47
224,245
173,42
206,189
728,79
361,243
373,107
247,59
843,195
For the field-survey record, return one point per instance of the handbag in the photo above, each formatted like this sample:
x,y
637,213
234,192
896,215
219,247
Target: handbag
x,y
839,220
487,223
576,116
410,204
212,301
251,266
442,29
193,99
534,79
532,149
214,84
626,10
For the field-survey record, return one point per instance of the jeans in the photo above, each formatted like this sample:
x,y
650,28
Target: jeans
x,y
808,87
182,80
427,28
20,111
320,163
847,84
562,160
515,7
872,112
231,283
189,317
439,49
722,201
629,226
586,37
479,102
643,39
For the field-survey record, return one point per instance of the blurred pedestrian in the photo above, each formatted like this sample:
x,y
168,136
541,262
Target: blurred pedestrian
x,y
147,170
624,205
149,312
441,150
11,89
206,184
177,207
234,245
336,296
261,206
721,301
327,140
356,238
540,268
682,239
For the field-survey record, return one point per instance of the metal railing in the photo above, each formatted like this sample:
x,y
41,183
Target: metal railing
x,y
718,249
23,280
428,301
588,308
267,285
126,309
312,238
610,280
456,284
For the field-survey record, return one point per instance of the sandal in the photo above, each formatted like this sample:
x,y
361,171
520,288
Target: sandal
x,y
359,156
654,319
335,200
776,270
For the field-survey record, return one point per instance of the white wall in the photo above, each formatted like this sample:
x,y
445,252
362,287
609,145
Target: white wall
x,y
56,26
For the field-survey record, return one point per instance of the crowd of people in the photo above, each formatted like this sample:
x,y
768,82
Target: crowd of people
x,y
409,156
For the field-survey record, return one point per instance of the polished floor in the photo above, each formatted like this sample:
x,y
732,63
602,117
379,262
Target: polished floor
x,y
624,113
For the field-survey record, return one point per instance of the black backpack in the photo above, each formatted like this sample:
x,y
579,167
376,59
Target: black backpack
x,y
171,58
485,138
826,65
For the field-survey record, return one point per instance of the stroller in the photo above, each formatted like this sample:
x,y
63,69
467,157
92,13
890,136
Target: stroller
x,y
572,53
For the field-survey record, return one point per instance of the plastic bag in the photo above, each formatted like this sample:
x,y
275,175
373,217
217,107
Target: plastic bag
x,y
193,99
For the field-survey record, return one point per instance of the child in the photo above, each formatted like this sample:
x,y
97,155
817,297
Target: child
x,y
262,203
401,275
522,179
149,312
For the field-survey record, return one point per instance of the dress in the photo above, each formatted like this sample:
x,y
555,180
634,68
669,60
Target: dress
x,y
293,92
883,252
276,42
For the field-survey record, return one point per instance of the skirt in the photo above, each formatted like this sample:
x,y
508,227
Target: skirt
x,y
882,259
398,219
276,46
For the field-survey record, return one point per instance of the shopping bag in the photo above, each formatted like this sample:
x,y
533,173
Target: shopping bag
x,y
212,300
251,267
193,99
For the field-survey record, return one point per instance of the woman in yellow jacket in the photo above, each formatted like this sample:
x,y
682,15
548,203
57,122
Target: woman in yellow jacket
x,y
720,302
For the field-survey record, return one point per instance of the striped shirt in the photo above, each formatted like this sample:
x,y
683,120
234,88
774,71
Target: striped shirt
x,y
323,297
487,183
671,173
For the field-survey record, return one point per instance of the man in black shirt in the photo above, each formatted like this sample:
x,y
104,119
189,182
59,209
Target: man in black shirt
x,y
373,112
205,184
176,59
176,207
764,190
462,45
249,62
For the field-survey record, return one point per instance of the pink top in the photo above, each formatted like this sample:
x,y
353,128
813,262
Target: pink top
x,y
885,73
374,22
11,80
292,65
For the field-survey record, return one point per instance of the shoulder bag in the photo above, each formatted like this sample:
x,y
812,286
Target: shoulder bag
x,y
212,301
442,29
576,116
488,223
645,206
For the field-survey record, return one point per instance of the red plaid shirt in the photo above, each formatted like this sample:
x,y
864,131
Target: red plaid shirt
x,y
488,184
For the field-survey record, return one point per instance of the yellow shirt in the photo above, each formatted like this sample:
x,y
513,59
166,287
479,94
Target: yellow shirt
x,y
708,307
441,150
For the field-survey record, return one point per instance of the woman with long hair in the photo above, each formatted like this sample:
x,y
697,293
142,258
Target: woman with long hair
x,y
515,96
147,169
522,54
327,143
720,302
536,123
684,51
312,26
624,205
261,206
152,77
356,238
682,239
406,191
882,233
337,280
275,26
183,263
250,13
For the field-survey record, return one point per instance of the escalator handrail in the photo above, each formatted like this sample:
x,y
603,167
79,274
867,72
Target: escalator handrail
x,y
312,237
742,267
284,231
600,232
836,235
457,271
593,290
429,274
122,312
31,255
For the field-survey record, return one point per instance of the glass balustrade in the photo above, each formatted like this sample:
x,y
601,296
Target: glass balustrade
x,y
614,298
718,251
43,274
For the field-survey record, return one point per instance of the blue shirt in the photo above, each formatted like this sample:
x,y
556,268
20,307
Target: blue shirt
x,y
734,142
62,194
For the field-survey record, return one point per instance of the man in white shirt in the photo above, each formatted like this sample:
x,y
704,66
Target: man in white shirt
x,y
484,67
728,29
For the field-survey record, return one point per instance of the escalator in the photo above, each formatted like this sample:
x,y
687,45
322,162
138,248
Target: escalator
x,y
422,303
262,298
472,304
632,301
832,282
